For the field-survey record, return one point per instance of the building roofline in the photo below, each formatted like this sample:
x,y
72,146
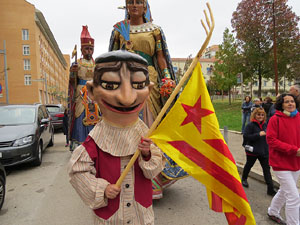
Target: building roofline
x,y
43,25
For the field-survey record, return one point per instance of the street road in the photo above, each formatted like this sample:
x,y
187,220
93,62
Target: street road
x,y
43,196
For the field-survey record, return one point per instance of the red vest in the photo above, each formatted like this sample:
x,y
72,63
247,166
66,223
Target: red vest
x,y
108,167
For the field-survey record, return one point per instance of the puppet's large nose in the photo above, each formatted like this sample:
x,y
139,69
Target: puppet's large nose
x,y
127,95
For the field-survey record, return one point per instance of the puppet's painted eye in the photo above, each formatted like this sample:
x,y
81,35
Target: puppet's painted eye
x,y
110,85
139,85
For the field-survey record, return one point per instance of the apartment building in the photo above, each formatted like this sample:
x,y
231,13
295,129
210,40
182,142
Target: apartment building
x,y
37,70
207,62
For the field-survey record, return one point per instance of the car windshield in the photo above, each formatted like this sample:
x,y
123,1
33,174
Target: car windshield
x,y
17,115
53,109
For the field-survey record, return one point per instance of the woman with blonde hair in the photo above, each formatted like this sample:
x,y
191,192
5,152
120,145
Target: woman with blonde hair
x,y
256,147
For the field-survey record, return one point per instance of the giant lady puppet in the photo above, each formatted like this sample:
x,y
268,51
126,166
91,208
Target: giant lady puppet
x,y
138,34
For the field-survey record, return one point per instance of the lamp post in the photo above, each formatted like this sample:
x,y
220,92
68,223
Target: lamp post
x,y
275,48
5,71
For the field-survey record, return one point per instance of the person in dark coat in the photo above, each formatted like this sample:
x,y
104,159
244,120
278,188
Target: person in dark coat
x,y
65,126
246,112
267,104
256,147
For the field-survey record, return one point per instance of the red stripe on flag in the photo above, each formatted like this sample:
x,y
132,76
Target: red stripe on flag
x,y
210,167
232,219
221,147
216,202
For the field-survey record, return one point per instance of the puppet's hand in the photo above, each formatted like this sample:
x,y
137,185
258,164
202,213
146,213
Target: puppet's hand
x,y
112,191
74,67
144,147
167,87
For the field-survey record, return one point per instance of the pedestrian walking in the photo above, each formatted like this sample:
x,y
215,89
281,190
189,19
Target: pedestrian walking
x,y
65,126
283,138
246,112
256,147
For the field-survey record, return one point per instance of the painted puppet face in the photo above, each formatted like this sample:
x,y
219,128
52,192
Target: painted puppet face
x,y
289,103
136,8
87,51
121,90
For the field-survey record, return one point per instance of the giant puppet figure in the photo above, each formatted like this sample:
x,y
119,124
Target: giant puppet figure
x,y
121,87
84,113
139,35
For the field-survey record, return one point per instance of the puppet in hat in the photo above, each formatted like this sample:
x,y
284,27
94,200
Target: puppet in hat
x,y
120,86
83,113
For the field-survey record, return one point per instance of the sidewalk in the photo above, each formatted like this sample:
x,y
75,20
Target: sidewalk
x,y
235,140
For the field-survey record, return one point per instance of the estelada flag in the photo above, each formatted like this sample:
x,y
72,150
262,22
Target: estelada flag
x,y
190,135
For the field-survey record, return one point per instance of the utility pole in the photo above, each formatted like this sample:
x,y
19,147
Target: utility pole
x,y
5,71
275,48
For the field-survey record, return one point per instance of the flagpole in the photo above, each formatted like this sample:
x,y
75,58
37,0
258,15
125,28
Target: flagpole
x,y
176,90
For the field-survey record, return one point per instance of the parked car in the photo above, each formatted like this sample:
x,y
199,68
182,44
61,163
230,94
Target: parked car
x,y
2,185
57,114
25,132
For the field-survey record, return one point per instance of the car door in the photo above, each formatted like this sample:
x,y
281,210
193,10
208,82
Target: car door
x,y
44,126
47,117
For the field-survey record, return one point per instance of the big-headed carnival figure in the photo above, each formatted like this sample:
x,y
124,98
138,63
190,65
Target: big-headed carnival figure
x,y
84,113
138,34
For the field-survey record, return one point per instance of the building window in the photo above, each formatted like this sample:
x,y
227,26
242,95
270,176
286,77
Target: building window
x,y
265,83
25,34
27,79
26,64
255,83
26,50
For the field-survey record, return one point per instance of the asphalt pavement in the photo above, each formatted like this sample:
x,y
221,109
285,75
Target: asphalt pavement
x,y
43,195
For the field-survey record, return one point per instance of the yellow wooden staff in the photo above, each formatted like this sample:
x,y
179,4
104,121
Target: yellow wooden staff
x,y
176,90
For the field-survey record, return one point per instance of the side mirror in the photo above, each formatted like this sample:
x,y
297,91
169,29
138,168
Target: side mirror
x,y
45,121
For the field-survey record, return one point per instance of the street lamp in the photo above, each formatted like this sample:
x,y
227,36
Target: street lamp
x,y
5,71
274,45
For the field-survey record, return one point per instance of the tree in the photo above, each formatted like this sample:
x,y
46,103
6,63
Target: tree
x,y
253,22
227,65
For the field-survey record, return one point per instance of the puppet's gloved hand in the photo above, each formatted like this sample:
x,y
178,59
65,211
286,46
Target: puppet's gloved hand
x,y
167,87
144,147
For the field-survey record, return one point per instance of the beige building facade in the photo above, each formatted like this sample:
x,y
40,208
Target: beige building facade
x,y
207,62
37,70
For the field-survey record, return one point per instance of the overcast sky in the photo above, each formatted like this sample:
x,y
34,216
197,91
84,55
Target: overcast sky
x,y
180,21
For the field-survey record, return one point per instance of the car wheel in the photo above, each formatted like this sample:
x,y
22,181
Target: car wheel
x,y
2,191
38,160
51,143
